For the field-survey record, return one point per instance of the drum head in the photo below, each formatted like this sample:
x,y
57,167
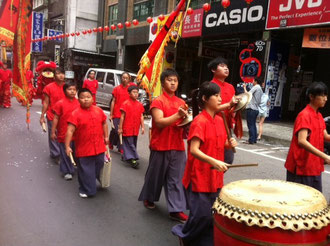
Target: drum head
x,y
244,99
274,203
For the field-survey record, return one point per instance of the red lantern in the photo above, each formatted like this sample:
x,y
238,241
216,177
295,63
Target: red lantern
x,y
161,17
149,20
225,3
94,29
106,28
190,11
120,26
135,22
206,7
67,35
77,33
100,29
72,34
113,27
127,24
84,32
46,37
89,31
248,1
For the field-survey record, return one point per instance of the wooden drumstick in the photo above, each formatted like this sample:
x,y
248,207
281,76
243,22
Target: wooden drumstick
x,y
43,126
229,136
121,139
240,165
72,160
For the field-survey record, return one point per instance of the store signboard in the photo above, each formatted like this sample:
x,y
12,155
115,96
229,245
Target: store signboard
x,y
297,13
54,33
57,54
192,24
239,17
316,38
37,31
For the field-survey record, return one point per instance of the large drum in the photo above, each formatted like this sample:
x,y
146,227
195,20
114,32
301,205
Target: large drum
x,y
270,212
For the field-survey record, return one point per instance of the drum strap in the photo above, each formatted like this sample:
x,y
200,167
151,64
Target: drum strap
x,y
258,242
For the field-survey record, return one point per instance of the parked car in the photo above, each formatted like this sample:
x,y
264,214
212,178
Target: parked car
x,y
109,79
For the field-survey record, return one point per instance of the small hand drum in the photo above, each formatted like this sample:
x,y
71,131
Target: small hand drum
x,y
186,120
244,99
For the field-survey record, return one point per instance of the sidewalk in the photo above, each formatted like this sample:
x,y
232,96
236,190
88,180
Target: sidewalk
x,y
277,133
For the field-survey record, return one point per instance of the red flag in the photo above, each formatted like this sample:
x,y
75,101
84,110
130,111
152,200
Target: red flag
x,y
21,53
8,20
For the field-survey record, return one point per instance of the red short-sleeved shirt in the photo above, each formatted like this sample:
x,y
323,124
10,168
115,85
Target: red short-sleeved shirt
x,y
120,93
91,85
133,111
300,161
170,137
211,132
6,75
29,76
55,93
89,138
227,93
64,108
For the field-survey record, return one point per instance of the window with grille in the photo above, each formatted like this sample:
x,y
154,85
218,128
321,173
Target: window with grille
x,y
113,17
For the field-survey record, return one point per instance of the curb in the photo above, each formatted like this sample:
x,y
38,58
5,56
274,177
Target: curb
x,y
271,139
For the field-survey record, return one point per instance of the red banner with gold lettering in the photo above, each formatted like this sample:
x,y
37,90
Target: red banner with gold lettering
x,y
8,21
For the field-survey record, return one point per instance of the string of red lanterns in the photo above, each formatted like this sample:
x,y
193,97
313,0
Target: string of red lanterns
x,y
206,7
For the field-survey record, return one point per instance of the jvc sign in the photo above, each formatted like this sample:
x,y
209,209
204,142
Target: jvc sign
x,y
297,13
237,18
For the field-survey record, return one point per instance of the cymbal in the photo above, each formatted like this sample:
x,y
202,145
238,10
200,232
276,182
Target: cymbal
x,y
244,99
186,120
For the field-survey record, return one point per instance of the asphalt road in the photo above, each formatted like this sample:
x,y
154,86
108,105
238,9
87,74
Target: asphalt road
x,y
38,207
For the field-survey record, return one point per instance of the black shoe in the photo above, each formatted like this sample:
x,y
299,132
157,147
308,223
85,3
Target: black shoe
x,y
134,163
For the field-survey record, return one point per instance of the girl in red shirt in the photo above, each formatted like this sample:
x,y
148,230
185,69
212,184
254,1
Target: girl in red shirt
x,y
130,121
306,157
91,84
62,111
203,176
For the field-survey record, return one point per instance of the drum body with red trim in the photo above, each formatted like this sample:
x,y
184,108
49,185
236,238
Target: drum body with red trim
x,y
270,212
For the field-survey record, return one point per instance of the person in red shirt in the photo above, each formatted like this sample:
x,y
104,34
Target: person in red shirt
x,y
92,84
7,77
119,95
88,124
62,111
167,151
220,70
203,176
1,83
306,157
131,120
53,92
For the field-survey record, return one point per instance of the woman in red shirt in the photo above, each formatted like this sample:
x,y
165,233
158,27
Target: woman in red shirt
x,y
91,84
203,176
305,161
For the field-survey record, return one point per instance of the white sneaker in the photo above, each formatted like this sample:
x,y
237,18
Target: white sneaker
x,y
68,176
82,195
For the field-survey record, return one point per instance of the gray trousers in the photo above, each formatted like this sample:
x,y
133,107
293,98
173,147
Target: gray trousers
x,y
54,147
166,169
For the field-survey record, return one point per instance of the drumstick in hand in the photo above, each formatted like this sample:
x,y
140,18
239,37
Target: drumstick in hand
x,y
229,136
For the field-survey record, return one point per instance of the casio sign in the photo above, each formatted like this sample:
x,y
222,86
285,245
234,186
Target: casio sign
x,y
235,16
300,4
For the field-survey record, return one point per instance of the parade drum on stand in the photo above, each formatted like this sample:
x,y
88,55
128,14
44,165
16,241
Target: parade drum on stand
x,y
270,212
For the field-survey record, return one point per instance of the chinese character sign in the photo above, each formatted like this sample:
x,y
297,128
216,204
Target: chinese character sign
x,y
53,33
192,24
316,38
37,31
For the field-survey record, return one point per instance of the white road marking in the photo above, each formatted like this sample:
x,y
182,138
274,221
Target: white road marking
x,y
38,112
258,150
267,152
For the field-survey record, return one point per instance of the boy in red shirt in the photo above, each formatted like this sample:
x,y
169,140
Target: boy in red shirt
x,y
7,77
91,84
306,157
167,151
53,92
62,111
130,121
220,70
119,95
203,176
88,124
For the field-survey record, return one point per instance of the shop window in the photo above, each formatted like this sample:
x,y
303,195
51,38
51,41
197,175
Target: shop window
x,y
110,79
113,17
143,10
100,76
196,4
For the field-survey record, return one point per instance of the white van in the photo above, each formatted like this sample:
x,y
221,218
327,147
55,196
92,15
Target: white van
x,y
108,79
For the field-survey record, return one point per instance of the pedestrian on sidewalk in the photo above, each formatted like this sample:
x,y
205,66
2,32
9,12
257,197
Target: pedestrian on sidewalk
x,y
203,176
263,110
167,150
131,120
6,77
252,110
91,84
62,111
220,70
88,125
52,93
306,157
119,95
